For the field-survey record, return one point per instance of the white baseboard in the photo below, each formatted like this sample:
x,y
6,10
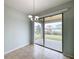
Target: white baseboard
x,y
15,49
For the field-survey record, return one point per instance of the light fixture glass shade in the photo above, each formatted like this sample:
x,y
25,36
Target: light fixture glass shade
x,y
30,16
36,17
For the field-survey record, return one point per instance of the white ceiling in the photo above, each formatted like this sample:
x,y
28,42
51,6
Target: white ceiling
x,y
26,6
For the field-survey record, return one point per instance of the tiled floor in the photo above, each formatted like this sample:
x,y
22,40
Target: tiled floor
x,y
35,52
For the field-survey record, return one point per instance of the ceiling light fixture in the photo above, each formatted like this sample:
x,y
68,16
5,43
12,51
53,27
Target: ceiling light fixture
x,y
33,17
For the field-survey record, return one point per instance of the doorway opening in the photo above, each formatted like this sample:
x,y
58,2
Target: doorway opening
x,y
48,32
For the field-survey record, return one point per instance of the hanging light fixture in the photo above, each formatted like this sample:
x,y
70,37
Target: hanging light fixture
x,y
33,17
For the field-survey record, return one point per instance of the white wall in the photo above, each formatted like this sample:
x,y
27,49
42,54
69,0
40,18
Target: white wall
x,y
16,29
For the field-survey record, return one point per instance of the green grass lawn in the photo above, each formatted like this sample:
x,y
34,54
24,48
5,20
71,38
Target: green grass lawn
x,y
50,37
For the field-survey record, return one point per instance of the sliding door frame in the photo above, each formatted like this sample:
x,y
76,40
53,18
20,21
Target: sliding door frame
x,y
44,32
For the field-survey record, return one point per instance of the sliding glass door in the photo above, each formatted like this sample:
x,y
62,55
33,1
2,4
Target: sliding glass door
x,y
53,32
49,32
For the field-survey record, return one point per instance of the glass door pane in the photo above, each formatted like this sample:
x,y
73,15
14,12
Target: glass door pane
x,y
53,32
38,33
